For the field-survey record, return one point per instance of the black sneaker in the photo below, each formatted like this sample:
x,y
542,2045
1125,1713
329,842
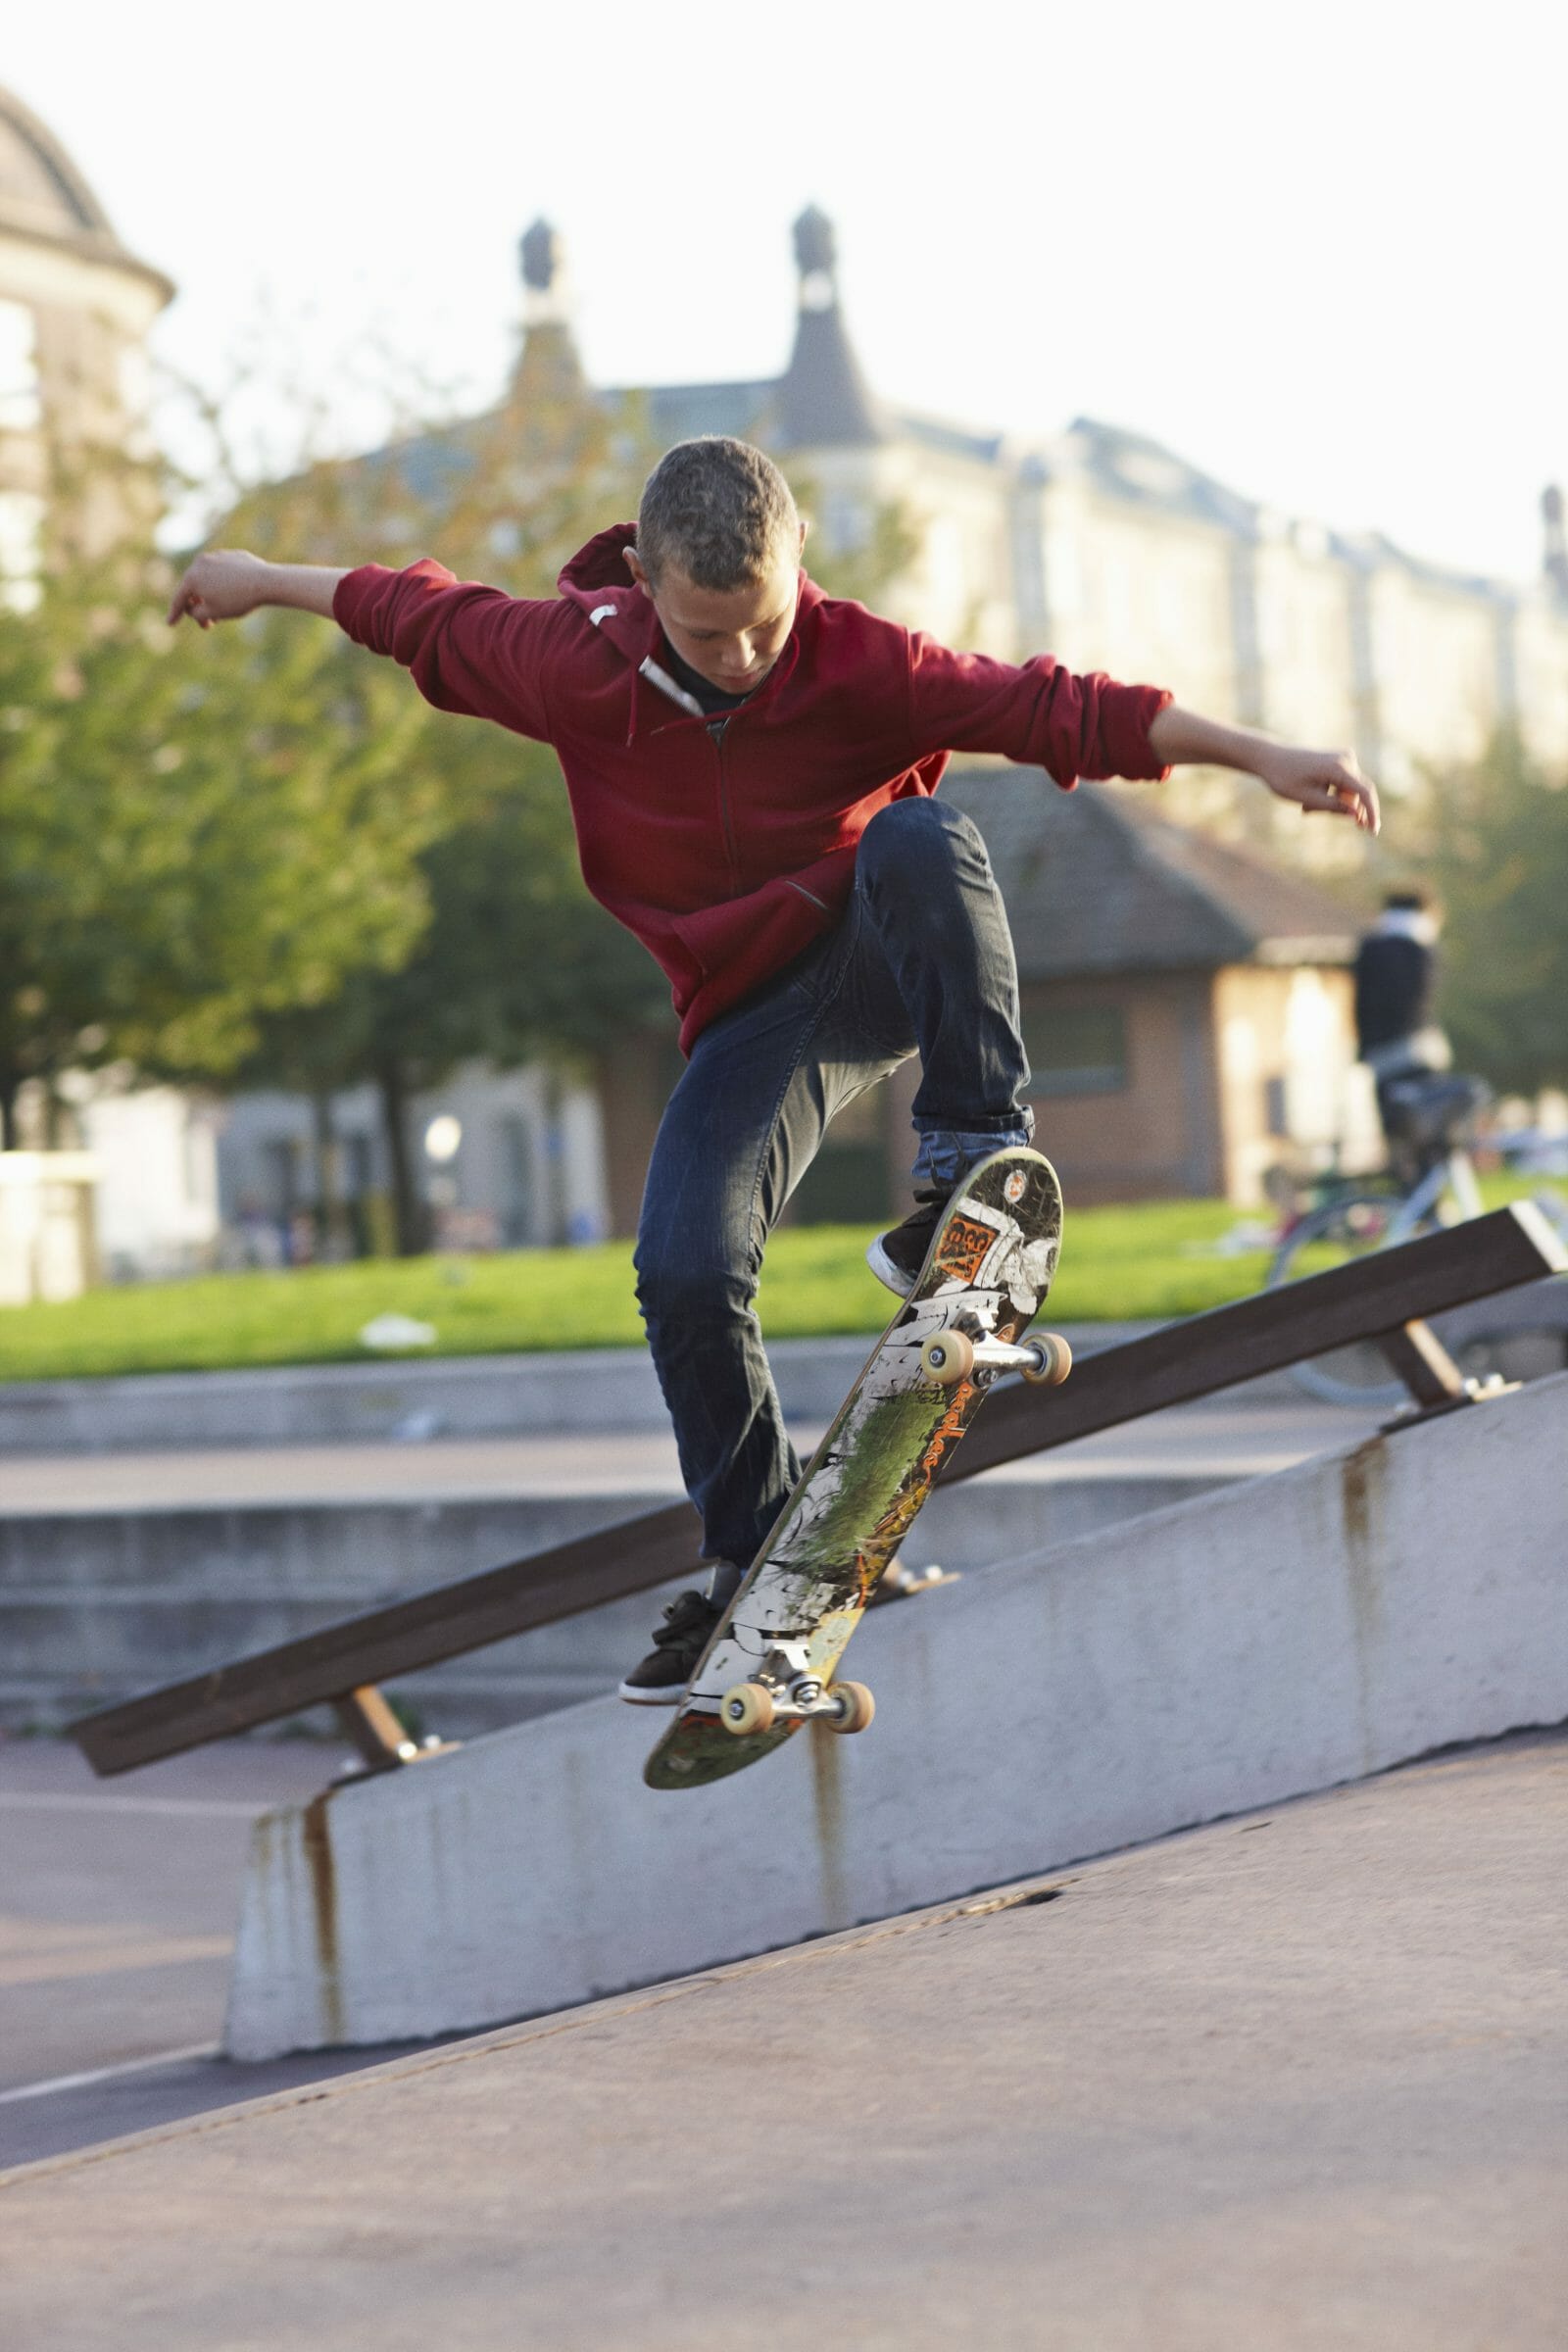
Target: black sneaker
x,y
897,1258
661,1680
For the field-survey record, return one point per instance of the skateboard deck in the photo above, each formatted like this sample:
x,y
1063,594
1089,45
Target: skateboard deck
x,y
985,1275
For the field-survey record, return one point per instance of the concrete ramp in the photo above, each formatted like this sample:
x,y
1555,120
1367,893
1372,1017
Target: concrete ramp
x,y
1288,2083
1269,1639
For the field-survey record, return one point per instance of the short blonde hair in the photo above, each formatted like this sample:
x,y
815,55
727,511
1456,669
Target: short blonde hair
x,y
719,509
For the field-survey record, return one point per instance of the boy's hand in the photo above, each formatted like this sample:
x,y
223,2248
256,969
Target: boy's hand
x,y
1330,781
223,585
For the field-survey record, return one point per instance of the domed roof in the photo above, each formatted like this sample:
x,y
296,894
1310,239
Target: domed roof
x,y
42,194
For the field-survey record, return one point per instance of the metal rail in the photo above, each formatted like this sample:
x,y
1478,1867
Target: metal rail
x,y
1383,1297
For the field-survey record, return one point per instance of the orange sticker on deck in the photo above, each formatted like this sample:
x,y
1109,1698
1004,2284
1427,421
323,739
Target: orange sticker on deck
x,y
962,1249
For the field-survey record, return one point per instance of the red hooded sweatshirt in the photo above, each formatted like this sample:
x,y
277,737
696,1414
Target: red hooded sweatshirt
x,y
726,844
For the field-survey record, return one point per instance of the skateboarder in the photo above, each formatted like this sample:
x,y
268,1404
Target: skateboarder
x,y
751,768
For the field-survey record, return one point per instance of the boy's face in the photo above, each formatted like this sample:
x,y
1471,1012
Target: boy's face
x,y
733,638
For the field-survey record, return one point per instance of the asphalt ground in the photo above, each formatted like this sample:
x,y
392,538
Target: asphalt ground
x,y
1294,2080
117,1908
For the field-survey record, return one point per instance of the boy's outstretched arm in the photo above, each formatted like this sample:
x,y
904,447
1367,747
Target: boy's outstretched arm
x,y
225,585
467,648
1330,781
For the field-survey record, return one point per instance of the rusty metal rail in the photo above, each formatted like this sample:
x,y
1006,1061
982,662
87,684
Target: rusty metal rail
x,y
1384,1299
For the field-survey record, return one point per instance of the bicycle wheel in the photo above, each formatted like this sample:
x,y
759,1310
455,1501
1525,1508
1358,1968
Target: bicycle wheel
x,y
1350,1227
1552,1203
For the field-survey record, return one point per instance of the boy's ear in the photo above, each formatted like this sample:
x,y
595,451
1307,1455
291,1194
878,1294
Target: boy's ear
x,y
635,566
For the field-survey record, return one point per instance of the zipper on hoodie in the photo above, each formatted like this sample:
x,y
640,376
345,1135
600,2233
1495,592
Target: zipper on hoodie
x,y
717,728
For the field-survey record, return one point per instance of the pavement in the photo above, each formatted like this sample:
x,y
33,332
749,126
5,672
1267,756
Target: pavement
x,y
1222,1436
118,1907
1294,2080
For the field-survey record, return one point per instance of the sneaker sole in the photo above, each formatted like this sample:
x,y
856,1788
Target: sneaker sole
x,y
636,1696
892,1277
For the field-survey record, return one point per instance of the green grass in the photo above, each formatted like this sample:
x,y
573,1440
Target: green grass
x,y
1118,1265
1145,1263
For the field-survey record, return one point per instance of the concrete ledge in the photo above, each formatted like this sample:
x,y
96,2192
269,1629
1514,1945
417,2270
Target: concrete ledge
x,y
587,1389
459,1395
95,1608
1269,1639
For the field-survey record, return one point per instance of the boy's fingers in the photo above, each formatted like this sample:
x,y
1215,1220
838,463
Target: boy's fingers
x,y
1356,800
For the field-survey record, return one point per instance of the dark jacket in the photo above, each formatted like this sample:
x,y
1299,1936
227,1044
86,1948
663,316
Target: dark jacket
x,y
1393,975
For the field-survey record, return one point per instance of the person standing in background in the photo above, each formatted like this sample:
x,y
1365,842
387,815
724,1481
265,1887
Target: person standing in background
x,y
1395,973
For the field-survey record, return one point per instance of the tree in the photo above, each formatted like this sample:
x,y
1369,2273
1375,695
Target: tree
x,y
1500,865
256,856
515,960
193,835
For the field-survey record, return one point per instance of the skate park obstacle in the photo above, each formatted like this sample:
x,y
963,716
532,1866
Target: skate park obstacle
x,y
1386,1299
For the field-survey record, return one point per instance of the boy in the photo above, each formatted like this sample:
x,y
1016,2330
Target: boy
x,y
751,767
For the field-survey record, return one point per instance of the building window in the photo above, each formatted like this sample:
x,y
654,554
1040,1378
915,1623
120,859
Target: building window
x,y
846,1183
21,549
845,524
518,1146
20,406
1076,1049
355,1164
281,1161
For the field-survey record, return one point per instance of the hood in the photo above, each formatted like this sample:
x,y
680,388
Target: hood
x,y
602,563
598,581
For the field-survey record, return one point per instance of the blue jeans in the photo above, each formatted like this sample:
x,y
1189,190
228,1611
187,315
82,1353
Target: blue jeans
x,y
921,961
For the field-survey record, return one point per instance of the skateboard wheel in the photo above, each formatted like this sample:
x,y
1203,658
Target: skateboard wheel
x,y
1054,1360
746,1707
948,1358
855,1707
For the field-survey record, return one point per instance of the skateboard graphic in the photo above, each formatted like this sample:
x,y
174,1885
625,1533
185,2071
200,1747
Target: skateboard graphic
x,y
768,1667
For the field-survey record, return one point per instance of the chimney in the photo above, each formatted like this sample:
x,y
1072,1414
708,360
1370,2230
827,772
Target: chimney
x,y
548,366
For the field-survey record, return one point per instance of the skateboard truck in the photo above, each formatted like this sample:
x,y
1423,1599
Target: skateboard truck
x,y
784,1688
952,1355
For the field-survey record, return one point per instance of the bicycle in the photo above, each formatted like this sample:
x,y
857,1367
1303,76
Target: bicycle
x,y
1431,1182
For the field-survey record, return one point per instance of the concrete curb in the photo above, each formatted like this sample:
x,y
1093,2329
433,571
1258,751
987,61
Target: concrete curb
x,y
506,1396
451,1396
1264,1642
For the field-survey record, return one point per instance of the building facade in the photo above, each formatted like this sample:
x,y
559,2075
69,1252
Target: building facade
x,y
76,309
1115,553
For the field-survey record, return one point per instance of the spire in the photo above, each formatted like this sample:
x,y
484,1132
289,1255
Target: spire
x,y
823,398
1554,557
548,366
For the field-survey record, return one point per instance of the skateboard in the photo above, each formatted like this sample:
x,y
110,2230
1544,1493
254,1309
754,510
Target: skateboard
x,y
768,1667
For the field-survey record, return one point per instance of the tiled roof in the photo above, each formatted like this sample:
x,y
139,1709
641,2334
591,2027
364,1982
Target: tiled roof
x,y
43,194
822,401
683,412
1098,880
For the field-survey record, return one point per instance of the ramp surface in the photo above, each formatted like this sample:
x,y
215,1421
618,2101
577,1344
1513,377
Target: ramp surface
x,y
1294,2080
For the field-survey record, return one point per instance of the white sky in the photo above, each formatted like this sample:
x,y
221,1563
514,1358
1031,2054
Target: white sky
x,y
1318,250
